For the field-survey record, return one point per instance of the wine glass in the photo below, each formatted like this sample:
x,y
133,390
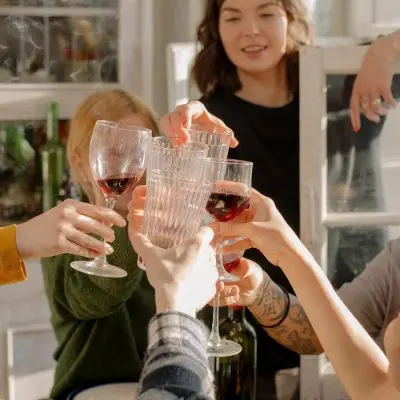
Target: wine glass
x,y
229,198
117,158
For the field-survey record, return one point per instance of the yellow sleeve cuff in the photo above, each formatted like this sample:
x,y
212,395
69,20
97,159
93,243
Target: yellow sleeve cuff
x,y
12,268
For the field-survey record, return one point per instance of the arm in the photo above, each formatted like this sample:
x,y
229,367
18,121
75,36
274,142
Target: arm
x,y
89,297
368,295
295,332
176,364
358,361
12,269
360,364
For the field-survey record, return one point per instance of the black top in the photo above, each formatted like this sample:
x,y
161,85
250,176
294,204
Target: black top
x,y
269,137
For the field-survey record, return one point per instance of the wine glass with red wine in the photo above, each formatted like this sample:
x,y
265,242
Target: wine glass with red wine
x,y
229,198
117,159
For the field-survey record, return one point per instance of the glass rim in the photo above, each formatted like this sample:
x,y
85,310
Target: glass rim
x,y
198,129
165,175
231,161
201,147
123,125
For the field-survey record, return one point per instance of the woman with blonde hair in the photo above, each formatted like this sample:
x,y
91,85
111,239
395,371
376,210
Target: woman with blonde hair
x,y
100,324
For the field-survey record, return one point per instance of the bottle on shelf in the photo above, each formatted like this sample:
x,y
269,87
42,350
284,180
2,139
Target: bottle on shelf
x,y
235,377
68,189
52,156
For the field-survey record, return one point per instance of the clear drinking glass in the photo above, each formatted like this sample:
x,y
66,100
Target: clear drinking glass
x,y
117,159
218,145
229,198
174,209
181,162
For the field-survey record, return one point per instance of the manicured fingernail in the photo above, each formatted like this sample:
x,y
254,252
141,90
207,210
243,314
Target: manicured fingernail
x,y
108,249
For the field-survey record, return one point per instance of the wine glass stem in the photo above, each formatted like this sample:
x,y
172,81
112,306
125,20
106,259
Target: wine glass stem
x,y
215,339
102,259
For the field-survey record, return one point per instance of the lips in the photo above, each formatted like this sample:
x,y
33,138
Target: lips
x,y
254,48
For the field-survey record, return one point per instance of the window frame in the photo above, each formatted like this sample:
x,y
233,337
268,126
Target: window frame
x,y
315,64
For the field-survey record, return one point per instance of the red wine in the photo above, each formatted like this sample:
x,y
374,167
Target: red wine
x,y
115,186
226,206
232,265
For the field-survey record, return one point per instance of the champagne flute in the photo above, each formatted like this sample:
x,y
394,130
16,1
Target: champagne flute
x,y
229,198
117,158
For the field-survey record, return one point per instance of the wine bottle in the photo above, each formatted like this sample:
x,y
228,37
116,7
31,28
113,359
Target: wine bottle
x,y
52,160
68,189
235,377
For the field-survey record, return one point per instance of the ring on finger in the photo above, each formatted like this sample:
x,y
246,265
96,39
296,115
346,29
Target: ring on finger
x,y
377,101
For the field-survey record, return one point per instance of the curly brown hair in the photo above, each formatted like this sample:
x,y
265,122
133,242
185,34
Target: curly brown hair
x,y
212,67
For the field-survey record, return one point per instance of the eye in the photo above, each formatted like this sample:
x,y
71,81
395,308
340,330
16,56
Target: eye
x,y
232,19
267,15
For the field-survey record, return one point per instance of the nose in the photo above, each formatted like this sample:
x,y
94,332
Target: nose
x,y
250,27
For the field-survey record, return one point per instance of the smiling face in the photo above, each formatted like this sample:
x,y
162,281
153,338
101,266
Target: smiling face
x,y
253,33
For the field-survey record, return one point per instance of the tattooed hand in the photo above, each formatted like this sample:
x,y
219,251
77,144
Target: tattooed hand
x,y
244,292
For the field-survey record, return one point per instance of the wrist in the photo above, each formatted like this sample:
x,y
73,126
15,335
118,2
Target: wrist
x,y
258,293
24,250
167,301
386,48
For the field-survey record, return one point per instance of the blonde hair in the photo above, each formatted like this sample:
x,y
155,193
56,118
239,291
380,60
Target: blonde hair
x,y
111,105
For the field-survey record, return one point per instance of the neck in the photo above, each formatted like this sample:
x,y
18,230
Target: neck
x,y
235,312
268,89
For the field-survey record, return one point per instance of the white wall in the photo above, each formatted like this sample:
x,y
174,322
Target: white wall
x,y
174,21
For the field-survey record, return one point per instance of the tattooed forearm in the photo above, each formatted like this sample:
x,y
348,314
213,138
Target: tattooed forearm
x,y
295,332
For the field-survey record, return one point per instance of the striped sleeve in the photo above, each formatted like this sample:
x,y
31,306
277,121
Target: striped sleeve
x,y
176,365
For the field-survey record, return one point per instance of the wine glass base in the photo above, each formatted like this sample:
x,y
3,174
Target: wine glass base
x,y
93,268
225,348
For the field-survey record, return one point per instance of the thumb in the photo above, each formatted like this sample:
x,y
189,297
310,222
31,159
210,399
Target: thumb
x,y
231,229
198,242
141,244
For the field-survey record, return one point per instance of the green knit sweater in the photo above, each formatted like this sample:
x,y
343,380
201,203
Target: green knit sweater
x,y
100,323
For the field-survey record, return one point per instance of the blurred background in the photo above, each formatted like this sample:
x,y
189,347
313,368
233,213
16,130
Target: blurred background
x,y
53,53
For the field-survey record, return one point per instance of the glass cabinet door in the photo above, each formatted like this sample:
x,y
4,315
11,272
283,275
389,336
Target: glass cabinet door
x,y
59,41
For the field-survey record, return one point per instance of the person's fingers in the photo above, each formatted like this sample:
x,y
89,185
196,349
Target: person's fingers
x,y
387,96
67,247
87,224
198,242
231,229
229,296
238,247
220,286
139,191
86,241
137,203
376,103
136,219
355,111
197,112
103,214
141,244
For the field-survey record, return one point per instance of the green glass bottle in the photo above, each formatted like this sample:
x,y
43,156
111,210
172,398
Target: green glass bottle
x,y
52,157
235,377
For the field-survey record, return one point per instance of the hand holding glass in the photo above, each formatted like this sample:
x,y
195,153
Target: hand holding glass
x,y
117,159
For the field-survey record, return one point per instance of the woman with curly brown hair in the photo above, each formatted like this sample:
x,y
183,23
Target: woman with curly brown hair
x,y
247,72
